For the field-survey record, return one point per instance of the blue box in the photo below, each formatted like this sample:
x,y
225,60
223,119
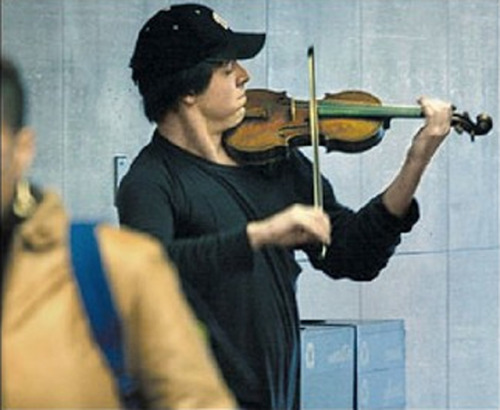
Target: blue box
x,y
379,362
327,367
381,389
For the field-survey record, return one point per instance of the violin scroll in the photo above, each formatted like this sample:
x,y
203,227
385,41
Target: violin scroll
x,y
463,123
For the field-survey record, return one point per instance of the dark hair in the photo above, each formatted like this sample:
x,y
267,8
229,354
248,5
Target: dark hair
x,y
13,97
161,93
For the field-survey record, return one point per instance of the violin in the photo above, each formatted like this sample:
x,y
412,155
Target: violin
x,y
348,121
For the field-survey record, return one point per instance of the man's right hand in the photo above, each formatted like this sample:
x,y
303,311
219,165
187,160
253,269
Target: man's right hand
x,y
294,226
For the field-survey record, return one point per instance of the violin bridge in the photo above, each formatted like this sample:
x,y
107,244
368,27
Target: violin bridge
x,y
293,109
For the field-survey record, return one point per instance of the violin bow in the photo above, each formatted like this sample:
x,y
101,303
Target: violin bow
x,y
314,130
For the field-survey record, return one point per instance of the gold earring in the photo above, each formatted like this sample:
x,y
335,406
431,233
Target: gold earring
x,y
24,202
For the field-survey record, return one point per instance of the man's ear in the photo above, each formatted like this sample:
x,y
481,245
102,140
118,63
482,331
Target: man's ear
x,y
25,150
189,99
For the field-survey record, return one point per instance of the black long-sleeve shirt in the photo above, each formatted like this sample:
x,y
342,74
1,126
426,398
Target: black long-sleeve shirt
x,y
199,211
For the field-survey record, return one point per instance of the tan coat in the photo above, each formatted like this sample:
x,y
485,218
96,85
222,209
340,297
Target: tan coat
x,y
49,357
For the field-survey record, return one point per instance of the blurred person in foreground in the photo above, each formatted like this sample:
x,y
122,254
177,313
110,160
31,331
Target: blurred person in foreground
x,y
49,356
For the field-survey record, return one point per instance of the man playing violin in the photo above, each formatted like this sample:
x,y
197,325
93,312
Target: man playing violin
x,y
231,228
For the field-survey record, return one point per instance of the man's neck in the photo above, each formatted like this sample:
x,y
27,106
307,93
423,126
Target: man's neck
x,y
196,138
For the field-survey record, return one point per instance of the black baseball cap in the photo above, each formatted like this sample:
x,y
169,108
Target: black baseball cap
x,y
184,35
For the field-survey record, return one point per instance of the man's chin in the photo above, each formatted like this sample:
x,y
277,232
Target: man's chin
x,y
237,119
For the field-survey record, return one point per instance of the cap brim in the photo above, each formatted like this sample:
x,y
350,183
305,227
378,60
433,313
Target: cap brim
x,y
241,46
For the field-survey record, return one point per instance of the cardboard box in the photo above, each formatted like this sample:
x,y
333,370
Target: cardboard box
x,y
378,361
327,367
381,389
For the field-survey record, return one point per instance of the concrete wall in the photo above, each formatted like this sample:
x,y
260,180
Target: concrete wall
x,y
444,279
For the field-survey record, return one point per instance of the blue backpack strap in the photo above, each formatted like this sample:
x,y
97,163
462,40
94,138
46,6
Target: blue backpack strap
x,y
103,316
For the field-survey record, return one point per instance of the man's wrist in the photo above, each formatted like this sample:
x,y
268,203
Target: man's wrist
x,y
254,236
